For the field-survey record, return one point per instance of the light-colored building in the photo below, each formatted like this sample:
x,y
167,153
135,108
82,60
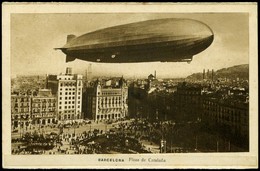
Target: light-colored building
x,y
68,90
43,108
28,110
107,102
20,111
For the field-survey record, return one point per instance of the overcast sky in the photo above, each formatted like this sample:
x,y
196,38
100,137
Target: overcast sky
x,y
34,37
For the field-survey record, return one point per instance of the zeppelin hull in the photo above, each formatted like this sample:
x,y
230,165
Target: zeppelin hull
x,y
142,42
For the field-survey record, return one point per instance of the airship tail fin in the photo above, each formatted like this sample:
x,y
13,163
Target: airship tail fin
x,y
69,58
70,37
58,48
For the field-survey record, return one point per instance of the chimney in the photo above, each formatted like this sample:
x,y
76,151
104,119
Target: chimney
x,y
203,74
208,74
155,74
47,79
212,74
68,71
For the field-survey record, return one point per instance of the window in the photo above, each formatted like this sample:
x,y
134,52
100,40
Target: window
x,y
65,102
66,93
65,98
78,106
60,103
69,97
60,93
78,102
69,102
73,93
60,98
65,107
60,107
72,102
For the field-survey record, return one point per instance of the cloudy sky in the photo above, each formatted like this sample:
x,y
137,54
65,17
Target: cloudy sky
x,y
34,37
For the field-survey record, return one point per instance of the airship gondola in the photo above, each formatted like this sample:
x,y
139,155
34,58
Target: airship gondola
x,y
165,40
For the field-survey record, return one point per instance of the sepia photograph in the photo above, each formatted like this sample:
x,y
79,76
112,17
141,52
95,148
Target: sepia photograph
x,y
110,85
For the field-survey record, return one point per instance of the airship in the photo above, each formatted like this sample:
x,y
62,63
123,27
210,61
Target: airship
x,y
164,40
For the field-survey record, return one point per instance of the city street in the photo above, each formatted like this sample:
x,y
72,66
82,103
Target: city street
x,y
72,129
69,134
179,137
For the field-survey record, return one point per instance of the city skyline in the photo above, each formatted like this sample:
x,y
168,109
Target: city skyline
x,y
107,76
228,49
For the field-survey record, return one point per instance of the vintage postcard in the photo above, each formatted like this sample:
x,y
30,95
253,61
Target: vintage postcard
x,y
129,85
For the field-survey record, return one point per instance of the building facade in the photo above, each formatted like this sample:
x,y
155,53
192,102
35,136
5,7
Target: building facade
x,y
229,118
20,111
68,90
137,104
188,102
28,110
107,103
43,108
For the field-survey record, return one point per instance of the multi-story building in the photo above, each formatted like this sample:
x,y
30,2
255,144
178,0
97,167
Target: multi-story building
x,y
30,110
228,117
68,90
107,102
188,102
43,108
20,111
137,104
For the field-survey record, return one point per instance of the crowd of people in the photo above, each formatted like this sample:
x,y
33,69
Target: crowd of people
x,y
125,137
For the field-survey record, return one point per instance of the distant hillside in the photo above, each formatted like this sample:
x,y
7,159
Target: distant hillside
x,y
238,71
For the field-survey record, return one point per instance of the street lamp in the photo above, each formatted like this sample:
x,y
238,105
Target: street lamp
x,y
196,148
20,125
163,146
74,127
